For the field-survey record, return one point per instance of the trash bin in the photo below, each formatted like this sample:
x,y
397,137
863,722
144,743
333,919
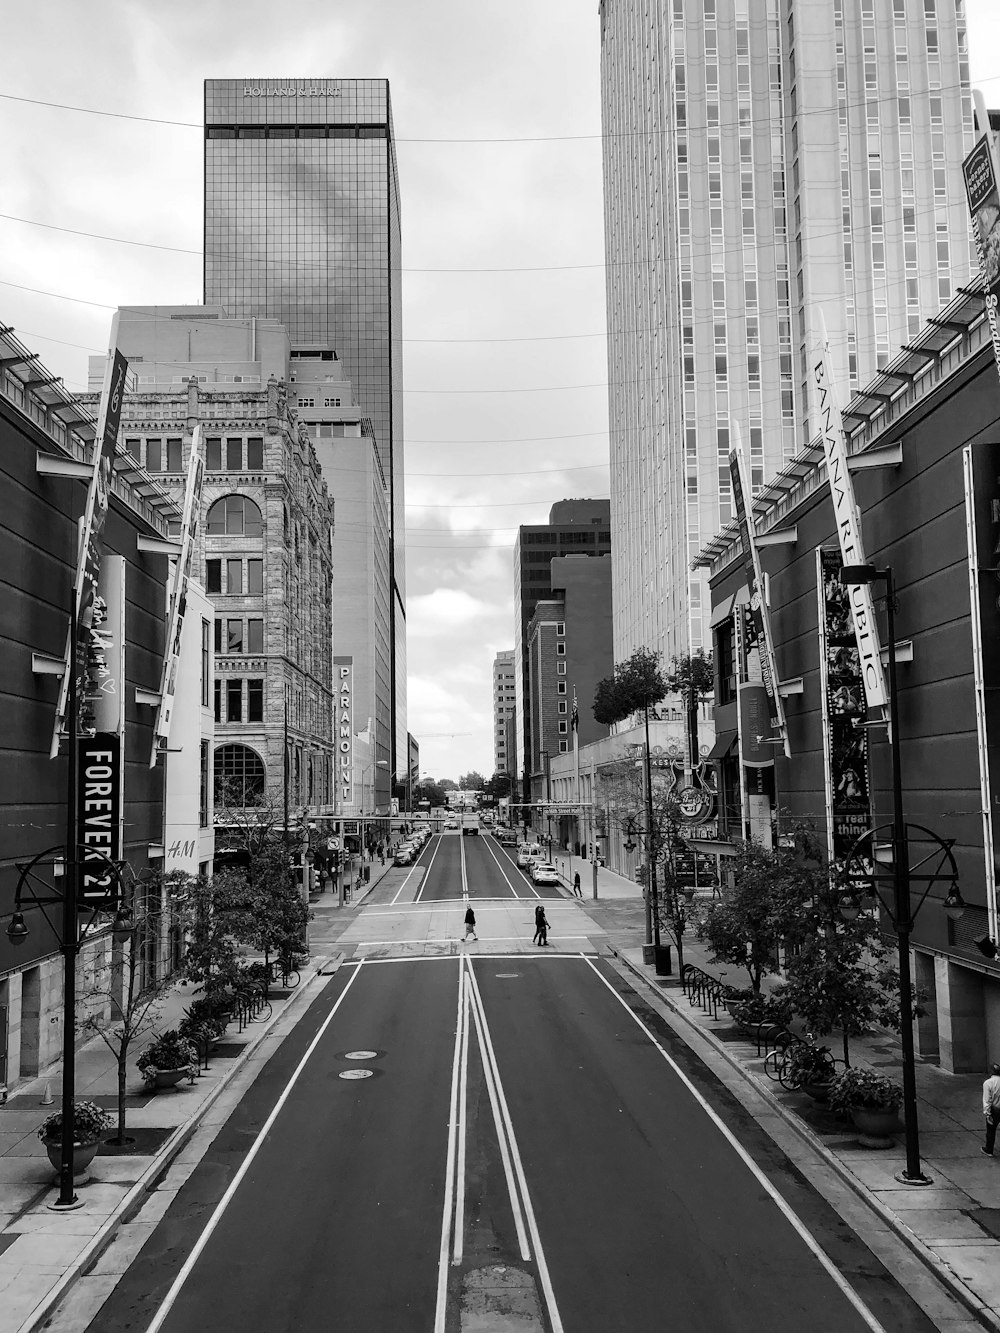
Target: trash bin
x,y
647,954
661,960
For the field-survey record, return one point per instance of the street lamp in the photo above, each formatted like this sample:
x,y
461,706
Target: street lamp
x,y
894,856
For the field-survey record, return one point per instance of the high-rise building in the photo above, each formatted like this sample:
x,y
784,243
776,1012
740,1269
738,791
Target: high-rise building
x,y
764,161
504,698
575,527
302,224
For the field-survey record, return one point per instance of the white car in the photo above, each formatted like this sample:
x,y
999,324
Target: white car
x,y
543,873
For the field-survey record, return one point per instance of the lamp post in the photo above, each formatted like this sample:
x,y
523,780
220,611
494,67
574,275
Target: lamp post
x,y
902,915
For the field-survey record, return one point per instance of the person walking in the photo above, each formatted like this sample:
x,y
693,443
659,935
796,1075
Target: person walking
x,y
576,885
991,1108
470,924
541,927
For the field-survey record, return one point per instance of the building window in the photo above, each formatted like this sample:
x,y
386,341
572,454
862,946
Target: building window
x,y
234,516
563,726
203,785
213,453
154,456
331,402
213,576
561,687
234,576
255,701
234,455
255,636
561,649
218,696
255,454
234,700
234,636
307,402
255,577
564,747
240,777
563,706
175,455
206,663
561,627
560,668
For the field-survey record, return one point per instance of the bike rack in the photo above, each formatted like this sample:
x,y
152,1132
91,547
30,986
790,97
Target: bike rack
x,y
702,989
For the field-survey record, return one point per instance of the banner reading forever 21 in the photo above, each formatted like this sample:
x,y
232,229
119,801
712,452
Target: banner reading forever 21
x,y
98,818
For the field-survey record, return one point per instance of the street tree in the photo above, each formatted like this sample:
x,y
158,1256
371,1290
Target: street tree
x,y
121,997
499,786
637,685
471,781
691,676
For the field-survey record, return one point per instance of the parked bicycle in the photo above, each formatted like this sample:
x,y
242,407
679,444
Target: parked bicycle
x,y
284,973
800,1062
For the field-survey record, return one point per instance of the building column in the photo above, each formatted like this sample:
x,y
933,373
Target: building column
x,y
926,1037
961,1018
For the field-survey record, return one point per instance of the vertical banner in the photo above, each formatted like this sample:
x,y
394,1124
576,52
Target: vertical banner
x,y
178,598
981,464
91,547
847,517
982,171
98,818
343,684
759,612
845,743
103,696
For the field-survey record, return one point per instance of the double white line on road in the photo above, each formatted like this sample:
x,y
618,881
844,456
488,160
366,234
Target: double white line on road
x,y
470,1007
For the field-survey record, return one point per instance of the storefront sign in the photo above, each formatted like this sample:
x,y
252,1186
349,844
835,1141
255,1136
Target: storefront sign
x,y
848,520
178,597
98,818
981,172
845,743
91,544
343,673
763,639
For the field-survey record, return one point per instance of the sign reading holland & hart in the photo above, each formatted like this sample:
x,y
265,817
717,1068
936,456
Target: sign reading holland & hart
x,y
847,518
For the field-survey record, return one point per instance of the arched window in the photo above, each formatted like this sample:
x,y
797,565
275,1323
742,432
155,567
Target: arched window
x,y
235,516
240,777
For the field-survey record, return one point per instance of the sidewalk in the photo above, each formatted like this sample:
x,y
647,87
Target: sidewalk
x,y
953,1225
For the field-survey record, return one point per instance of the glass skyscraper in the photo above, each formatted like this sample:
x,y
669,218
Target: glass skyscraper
x,y
302,224
763,160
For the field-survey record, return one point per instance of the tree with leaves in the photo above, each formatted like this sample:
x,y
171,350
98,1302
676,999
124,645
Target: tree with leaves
x,y
638,684
499,786
471,781
691,675
121,997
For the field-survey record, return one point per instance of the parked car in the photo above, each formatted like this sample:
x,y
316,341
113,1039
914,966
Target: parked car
x,y
404,855
530,851
543,873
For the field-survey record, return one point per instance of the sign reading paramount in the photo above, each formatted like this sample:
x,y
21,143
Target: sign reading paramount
x,y
344,730
847,517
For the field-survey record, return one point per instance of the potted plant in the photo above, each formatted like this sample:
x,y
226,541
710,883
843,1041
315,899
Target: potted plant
x,y
167,1059
810,1068
734,996
757,1008
89,1123
873,1102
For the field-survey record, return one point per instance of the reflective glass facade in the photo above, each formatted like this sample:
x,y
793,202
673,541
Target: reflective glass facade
x,y
302,223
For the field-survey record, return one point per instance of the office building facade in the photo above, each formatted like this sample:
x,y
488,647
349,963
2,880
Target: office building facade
x,y
504,706
575,527
302,224
765,161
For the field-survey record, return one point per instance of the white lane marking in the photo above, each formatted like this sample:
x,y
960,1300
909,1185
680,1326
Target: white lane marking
x,y
465,877
441,1307
458,1239
406,881
783,1206
513,861
502,871
564,941
489,957
501,1128
543,1268
255,1147
430,863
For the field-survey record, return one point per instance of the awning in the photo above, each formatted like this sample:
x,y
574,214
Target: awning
x,y
724,743
723,611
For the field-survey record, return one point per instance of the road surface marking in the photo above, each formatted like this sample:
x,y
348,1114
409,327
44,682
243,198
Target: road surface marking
x,y
245,1165
501,1128
489,1055
458,1237
513,861
783,1206
504,873
465,877
449,1177
437,848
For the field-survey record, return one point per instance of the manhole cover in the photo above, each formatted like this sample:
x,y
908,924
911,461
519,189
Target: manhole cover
x,y
507,976
361,1055
356,1073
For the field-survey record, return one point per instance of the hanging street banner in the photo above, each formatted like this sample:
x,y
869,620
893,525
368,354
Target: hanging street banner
x,y
760,618
103,671
91,546
178,598
98,818
845,743
343,683
847,518
982,171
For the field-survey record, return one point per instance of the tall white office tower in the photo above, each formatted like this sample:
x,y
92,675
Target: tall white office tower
x,y
763,160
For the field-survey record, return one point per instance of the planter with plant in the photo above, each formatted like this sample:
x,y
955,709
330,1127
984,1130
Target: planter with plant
x,y
90,1122
757,1009
873,1102
167,1059
811,1068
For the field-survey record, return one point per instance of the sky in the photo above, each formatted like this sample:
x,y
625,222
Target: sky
x,y
497,116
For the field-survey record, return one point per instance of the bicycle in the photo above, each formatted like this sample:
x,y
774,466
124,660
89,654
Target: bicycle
x,y
798,1062
284,972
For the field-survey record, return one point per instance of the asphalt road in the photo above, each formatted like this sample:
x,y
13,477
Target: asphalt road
x,y
494,1140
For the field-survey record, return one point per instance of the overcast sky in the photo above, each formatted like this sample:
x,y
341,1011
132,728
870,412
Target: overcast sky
x,y
497,117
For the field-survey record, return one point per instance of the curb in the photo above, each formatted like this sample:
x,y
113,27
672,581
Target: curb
x,y
131,1205
982,1313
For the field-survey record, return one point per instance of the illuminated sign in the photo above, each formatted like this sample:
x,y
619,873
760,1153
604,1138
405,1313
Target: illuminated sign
x,y
343,669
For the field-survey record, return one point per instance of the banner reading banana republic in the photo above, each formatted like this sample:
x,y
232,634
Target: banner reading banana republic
x,y
845,745
981,171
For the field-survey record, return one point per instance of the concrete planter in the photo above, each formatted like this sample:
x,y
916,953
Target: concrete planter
x,y
875,1126
83,1155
